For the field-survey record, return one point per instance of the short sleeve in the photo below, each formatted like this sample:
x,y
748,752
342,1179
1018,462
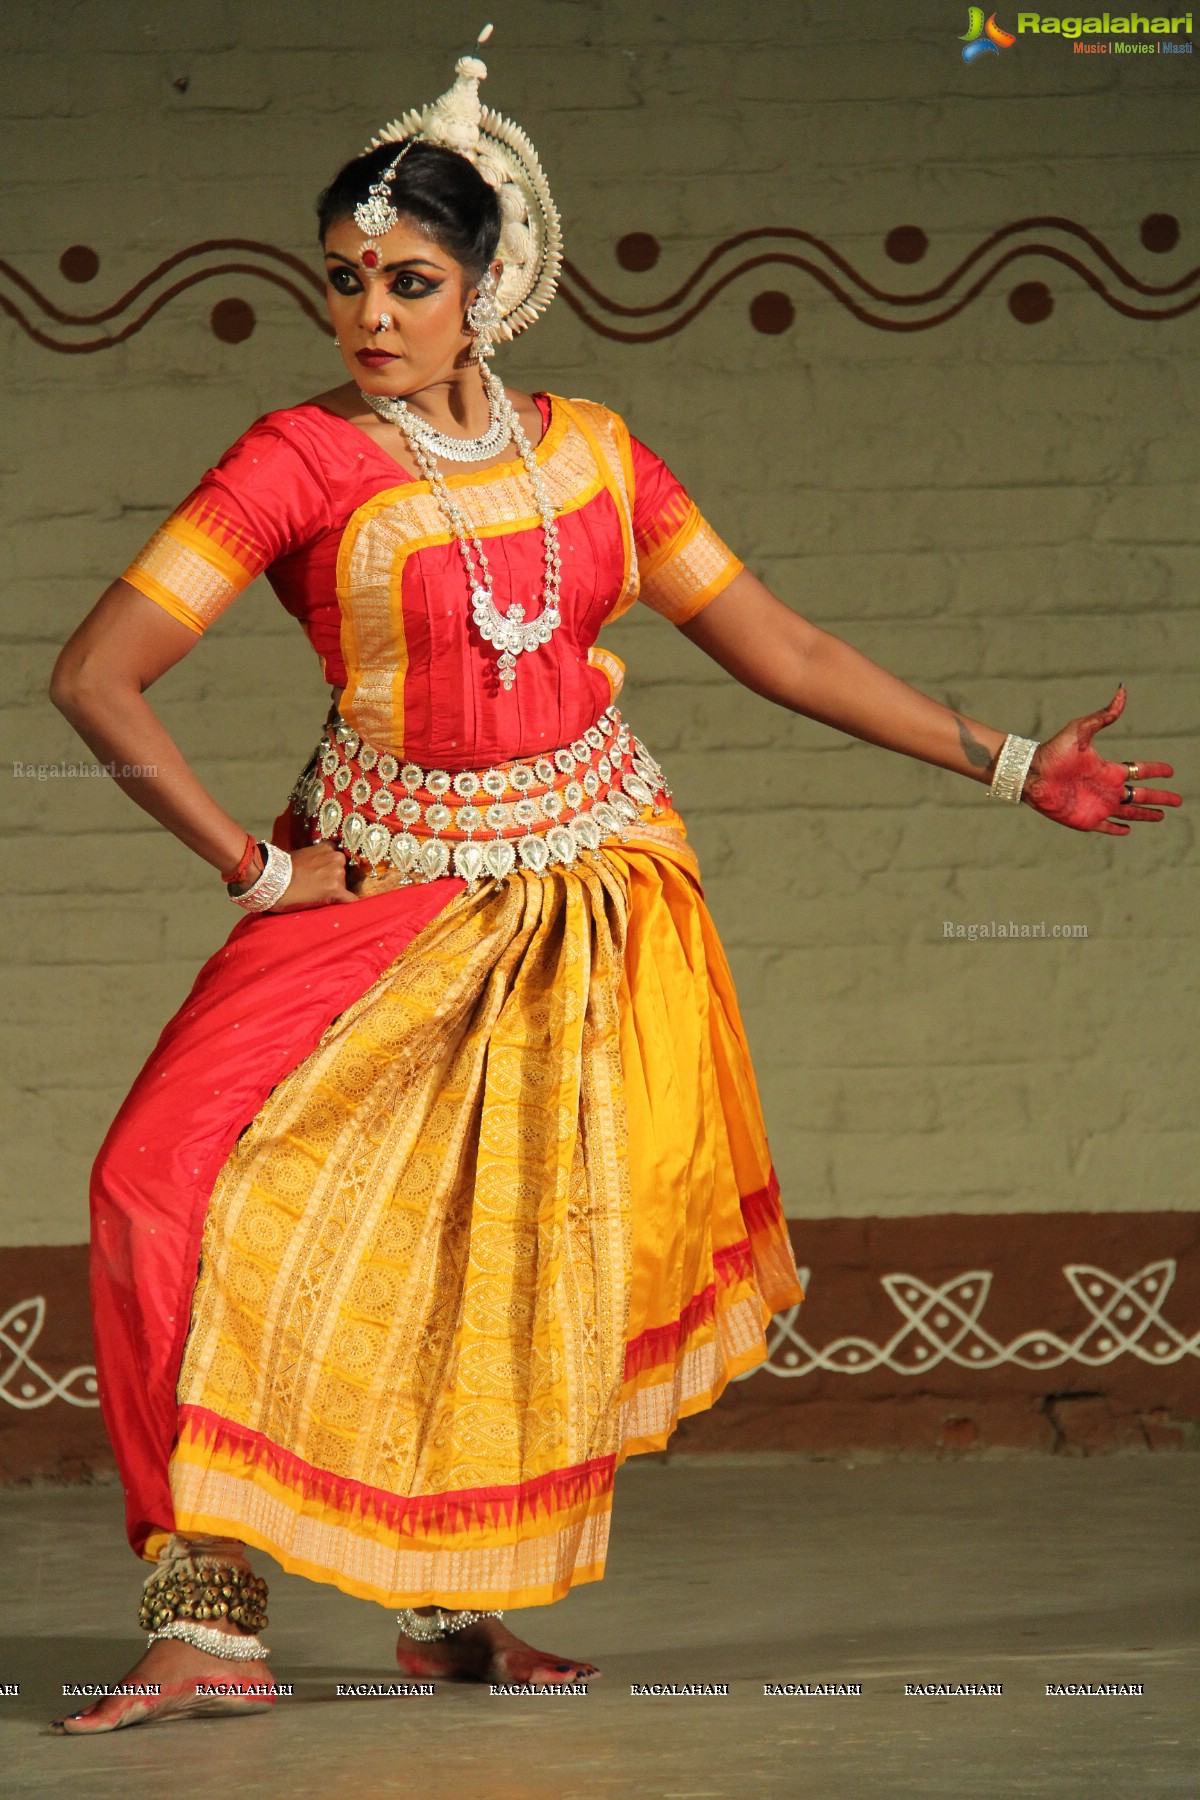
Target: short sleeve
x,y
682,562
262,500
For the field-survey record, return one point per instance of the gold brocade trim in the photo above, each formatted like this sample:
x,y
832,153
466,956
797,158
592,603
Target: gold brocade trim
x,y
611,666
608,439
393,526
666,832
181,578
683,575
532,1572
415,1267
161,596
651,1410
195,564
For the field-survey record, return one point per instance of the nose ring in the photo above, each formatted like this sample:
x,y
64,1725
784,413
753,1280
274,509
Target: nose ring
x,y
385,322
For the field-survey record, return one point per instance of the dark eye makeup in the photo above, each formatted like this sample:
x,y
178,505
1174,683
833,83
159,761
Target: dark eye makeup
x,y
422,287
406,285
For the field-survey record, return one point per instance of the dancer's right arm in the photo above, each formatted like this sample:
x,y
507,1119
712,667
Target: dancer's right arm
x,y
99,683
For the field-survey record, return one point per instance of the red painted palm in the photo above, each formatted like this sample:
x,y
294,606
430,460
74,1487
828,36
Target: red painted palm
x,y
1074,785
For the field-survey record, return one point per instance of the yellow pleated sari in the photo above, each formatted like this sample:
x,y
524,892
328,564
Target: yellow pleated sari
x,y
510,1222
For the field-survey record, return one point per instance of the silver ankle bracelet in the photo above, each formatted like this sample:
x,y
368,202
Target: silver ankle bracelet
x,y
217,1643
441,1624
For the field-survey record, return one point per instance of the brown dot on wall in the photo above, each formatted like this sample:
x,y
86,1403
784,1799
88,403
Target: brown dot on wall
x,y
1031,302
638,251
771,312
906,243
232,321
79,263
1160,232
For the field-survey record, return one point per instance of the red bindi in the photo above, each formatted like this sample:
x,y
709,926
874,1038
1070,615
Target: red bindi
x,y
370,259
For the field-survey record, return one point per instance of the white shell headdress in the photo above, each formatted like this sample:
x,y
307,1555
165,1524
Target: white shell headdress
x,y
530,231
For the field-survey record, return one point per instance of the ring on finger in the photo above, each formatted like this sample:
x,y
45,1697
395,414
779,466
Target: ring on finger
x,y
1127,794
1134,770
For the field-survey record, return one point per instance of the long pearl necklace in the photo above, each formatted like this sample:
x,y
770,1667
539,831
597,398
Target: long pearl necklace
x,y
507,632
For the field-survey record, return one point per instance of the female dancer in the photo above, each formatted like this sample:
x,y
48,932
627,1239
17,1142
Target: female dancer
x,y
447,1188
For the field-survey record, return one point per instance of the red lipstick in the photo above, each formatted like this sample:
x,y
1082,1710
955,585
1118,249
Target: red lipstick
x,y
374,359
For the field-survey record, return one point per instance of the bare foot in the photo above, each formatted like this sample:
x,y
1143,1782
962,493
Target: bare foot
x,y
487,1651
177,1669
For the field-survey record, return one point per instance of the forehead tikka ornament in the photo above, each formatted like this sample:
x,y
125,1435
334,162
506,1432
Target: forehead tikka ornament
x,y
376,216
531,246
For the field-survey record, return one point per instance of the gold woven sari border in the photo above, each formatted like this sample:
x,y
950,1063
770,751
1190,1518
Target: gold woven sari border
x,y
535,1572
530,1571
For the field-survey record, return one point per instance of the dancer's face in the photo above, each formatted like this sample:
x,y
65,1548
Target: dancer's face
x,y
422,289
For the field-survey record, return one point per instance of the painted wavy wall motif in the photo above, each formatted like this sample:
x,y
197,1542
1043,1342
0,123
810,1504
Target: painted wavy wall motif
x,y
1005,260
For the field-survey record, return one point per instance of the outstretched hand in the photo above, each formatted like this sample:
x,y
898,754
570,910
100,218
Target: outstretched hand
x,y
1072,784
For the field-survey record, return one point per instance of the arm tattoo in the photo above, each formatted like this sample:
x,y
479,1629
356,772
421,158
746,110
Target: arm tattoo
x,y
972,749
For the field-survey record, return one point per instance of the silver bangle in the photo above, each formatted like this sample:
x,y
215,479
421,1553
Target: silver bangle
x,y
272,883
1012,766
216,1643
441,1625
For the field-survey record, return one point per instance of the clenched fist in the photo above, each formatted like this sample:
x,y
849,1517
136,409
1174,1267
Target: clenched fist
x,y
318,879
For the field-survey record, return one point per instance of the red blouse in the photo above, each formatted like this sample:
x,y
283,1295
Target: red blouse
x,y
362,555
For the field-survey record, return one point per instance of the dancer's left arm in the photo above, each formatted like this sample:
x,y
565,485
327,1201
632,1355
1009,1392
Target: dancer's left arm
x,y
784,657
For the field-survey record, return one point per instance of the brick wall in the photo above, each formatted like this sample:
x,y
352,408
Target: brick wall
x,y
1001,513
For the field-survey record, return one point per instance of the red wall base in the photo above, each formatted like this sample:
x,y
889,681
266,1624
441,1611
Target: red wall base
x,y
1067,1333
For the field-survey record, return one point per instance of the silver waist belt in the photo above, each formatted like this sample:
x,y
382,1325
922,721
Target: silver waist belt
x,y
478,823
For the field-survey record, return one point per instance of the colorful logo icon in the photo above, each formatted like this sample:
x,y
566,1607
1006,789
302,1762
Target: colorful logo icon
x,y
984,37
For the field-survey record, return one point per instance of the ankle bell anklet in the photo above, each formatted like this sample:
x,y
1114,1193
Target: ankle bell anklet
x,y
442,1623
213,1592
216,1643
203,1580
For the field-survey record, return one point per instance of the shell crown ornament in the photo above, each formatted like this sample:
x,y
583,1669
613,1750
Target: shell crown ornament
x,y
530,230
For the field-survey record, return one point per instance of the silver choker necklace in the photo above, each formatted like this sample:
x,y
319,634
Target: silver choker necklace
x,y
436,443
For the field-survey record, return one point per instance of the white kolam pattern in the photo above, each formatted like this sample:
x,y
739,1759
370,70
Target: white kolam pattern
x,y
942,1325
938,1325
23,1382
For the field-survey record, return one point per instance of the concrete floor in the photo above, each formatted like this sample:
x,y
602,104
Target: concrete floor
x,y
745,1570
